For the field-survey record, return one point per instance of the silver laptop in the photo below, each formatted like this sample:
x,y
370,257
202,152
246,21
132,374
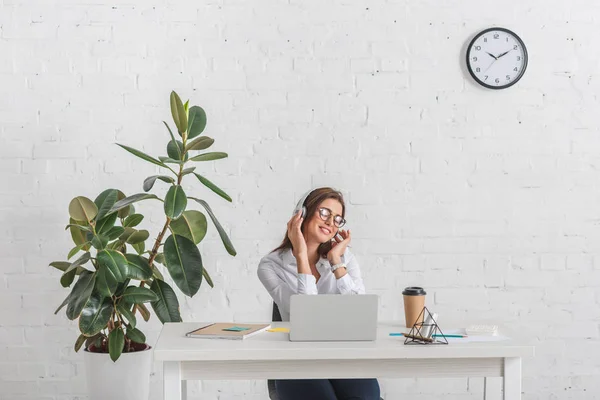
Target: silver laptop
x,y
333,317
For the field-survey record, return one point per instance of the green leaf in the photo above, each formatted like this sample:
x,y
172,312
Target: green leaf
x,y
80,227
133,220
139,247
116,245
184,263
115,267
149,181
125,211
75,250
143,311
116,342
128,232
169,129
121,287
80,261
99,242
105,224
169,160
66,280
207,278
61,265
95,315
197,122
216,155
175,150
126,312
93,340
192,225
132,199
187,171
157,274
79,342
167,306
137,267
77,235
80,294
175,202
135,335
134,295
213,187
142,155
106,282
178,113
98,340
224,238
186,106
64,303
105,201
67,277
160,258
115,232
82,209
138,236
201,143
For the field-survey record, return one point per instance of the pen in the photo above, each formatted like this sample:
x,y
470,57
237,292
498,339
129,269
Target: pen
x,y
448,336
452,336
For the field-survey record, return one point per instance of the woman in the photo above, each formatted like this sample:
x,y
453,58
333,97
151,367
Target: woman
x,y
312,259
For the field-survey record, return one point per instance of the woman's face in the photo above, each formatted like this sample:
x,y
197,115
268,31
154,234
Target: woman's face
x,y
320,231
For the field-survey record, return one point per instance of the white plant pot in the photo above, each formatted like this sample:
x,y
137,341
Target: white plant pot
x,y
126,379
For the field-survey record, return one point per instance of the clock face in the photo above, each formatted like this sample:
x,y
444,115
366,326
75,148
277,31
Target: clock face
x,y
497,58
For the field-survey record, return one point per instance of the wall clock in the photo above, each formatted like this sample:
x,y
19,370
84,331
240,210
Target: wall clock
x,y
497,58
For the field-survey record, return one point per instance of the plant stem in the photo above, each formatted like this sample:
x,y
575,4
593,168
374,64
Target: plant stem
x,y
111,322
127,340
159,239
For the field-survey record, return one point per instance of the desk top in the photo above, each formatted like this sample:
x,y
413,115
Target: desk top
x,y
173,345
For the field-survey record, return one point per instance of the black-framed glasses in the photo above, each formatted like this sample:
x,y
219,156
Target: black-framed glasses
x,y
325,213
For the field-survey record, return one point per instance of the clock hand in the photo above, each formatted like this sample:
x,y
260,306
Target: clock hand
x,y
490,66
505,53
491,55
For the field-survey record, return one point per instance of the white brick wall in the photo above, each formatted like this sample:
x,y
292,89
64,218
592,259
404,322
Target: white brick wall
x,y
488,199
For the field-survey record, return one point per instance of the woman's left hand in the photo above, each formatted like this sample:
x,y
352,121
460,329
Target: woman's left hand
x,y
338,246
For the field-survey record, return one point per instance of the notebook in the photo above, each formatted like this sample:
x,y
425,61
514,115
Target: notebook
x,y
482,330
228,331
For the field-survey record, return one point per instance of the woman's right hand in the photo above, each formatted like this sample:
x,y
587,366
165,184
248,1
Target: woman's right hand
x,y
299,249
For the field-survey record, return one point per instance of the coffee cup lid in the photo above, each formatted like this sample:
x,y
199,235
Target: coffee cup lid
x,y
414,291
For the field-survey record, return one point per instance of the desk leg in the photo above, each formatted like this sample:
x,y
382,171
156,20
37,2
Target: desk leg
x,y
512,378
492,388
173,386
486,394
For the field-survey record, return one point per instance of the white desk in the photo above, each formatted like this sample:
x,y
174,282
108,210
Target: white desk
x,y
270,355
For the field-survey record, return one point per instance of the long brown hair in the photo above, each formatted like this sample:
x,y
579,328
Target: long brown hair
x,y
312,203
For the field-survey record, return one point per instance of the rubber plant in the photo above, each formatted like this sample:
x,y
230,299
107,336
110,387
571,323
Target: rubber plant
x,y
120,269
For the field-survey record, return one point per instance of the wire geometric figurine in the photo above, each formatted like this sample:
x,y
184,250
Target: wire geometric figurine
x,y
425,332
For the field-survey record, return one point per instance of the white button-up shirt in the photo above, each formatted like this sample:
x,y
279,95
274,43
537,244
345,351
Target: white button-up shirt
x,y
278,272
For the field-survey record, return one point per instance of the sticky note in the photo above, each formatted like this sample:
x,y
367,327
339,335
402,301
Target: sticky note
x,y
278,330
236,329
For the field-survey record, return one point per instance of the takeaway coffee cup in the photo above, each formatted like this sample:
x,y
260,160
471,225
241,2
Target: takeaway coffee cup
x,y
414,301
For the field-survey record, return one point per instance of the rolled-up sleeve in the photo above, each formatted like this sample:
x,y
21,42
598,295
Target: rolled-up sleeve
x,y
278,288
352,282
307,284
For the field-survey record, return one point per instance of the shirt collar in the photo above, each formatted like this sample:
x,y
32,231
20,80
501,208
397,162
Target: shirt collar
x,y
289,259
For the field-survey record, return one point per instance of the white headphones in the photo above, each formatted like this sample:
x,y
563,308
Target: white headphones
x,y
300,205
